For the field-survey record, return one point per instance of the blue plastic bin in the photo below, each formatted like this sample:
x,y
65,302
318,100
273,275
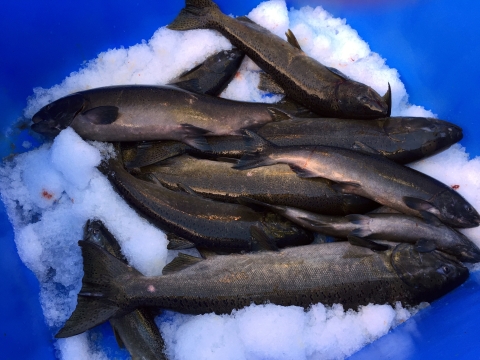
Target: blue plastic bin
x,y
433,44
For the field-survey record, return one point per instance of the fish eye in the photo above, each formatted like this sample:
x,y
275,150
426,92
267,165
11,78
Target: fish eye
x,y
445,270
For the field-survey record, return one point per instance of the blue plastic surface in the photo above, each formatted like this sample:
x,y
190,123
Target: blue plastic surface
x,y
432,43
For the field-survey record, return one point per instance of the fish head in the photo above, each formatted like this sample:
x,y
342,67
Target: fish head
x,y
283,232
433,272
58,115
226,61
432,133
464,249
455,210
93,231
360,101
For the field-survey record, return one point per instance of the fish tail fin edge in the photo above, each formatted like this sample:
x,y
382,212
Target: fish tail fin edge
x,y
96,300
195,15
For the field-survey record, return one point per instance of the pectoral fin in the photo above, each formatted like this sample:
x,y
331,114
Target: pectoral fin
x,y
303,172
120,343
347,188
261,242
356,241
425,246
419,204
102,115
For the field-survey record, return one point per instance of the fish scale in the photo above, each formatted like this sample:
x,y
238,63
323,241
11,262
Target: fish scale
x,y
325,91
301,276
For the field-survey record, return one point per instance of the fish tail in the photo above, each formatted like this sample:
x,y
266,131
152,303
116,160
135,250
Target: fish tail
x,y
195,15
100,297
257,152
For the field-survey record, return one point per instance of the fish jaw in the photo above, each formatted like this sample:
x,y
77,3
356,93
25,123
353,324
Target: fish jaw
x,y
58,115
361,100
433,273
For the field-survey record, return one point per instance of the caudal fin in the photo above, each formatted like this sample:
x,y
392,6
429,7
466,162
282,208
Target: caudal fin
x,y
257,153
99,299
195,15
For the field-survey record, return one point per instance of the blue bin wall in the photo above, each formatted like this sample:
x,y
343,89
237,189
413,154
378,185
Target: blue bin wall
x,y
432,43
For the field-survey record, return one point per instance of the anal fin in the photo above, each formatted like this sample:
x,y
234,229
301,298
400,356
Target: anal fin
x,y
303,172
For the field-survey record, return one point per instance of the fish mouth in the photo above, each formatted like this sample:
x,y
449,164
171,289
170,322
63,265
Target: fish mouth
x,y
470,254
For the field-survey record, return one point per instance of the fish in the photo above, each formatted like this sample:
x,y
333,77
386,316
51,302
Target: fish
x,y
213,75
401,139
135,331
375,177
324,90
144,112
389,227
188,218
301,276
275,184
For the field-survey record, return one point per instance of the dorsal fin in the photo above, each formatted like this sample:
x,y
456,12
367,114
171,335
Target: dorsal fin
x,y
292,40
338,73
388,99
245,19
181,262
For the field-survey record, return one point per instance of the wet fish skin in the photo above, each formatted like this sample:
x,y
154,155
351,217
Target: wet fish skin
x,y
389,227
213,75
207,223
406,190
275,184
325,91
301,276
401,139
142,113
137,330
